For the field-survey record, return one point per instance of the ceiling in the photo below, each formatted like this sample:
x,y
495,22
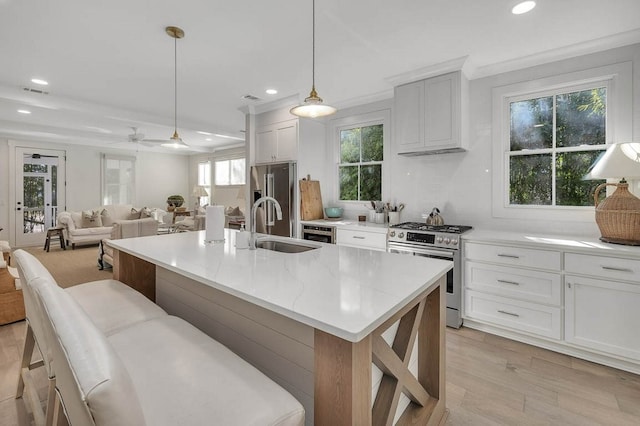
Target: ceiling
x,y
110,65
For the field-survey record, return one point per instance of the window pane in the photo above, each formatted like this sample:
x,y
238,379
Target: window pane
x,y
571,189
531,124
204,173
350,146
371,182
372,144
530,179
348,182
238,172
35,168
222,172
580,118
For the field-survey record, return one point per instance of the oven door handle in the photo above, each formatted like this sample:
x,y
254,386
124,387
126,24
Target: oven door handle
x,y
405,249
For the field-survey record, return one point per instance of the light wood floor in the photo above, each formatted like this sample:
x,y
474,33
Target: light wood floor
x,y
490,381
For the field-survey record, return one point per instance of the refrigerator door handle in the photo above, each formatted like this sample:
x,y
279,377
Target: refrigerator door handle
x,y
270,212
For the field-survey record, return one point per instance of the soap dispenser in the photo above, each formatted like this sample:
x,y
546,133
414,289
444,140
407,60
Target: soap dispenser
x,y
242,238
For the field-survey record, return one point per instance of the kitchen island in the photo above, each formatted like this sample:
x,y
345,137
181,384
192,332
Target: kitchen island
x,y
342,329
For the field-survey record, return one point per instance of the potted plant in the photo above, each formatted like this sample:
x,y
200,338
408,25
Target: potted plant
x,y
174,201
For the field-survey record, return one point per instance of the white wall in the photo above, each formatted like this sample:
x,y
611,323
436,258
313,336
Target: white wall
x,y
460,183
158,175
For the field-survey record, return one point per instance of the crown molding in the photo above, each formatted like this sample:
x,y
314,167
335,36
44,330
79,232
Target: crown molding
x,y
452,65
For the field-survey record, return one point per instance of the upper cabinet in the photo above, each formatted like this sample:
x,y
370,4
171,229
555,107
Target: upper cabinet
x,y
430,115
277,142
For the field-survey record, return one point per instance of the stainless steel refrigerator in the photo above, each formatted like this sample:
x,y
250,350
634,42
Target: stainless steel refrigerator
x,y
277,181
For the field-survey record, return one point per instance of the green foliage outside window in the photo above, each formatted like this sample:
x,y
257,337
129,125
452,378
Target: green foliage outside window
x,y
360,169
542,153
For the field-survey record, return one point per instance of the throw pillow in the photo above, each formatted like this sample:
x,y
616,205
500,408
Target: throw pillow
x,y
135,214
106,218
145,212
91,219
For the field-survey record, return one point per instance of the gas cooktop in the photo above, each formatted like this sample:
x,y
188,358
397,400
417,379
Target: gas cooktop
x,y
419,226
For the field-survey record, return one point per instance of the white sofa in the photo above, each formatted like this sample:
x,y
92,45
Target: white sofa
x,y
79,229
158,371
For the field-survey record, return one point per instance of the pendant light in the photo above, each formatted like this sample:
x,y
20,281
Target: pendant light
x,y
312,106
175,141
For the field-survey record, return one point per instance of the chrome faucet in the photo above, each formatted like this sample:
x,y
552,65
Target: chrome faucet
x,y
254,209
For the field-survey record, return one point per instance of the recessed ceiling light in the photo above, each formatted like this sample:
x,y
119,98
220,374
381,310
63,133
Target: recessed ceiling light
x,y
523,7
40,81
208,139
24,111
204,133
271,91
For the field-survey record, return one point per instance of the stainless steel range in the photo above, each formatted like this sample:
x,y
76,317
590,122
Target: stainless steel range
x,y
439,242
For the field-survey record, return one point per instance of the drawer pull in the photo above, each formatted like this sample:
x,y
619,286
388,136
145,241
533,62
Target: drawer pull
x,y
509,313
508,282
613,268
357,237
510,256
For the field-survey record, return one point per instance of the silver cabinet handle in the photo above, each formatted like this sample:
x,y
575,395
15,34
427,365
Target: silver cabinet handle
x,y
508,282
358,237
613,268
510,256
508,313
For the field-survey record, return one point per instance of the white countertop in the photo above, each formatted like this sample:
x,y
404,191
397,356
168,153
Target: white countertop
x,y
581,244
344,291
350,224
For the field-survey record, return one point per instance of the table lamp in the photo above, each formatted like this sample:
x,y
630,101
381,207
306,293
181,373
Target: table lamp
x,y
199,191
618,215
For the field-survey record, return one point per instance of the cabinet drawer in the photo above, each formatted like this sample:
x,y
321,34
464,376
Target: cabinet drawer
x,y
602,266
523,284
370,240
513,256
524,316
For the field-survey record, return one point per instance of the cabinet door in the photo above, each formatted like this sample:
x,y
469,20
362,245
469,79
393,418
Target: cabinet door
x,y
287,140
442,128
603,315
409,116
266,145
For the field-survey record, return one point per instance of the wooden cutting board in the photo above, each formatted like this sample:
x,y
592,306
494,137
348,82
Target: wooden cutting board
x,y
310,200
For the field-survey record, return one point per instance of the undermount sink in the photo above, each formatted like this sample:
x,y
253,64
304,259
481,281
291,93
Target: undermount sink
x,y
284,247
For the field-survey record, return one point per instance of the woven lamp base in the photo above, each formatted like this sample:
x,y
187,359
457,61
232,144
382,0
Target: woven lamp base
x,y
618,216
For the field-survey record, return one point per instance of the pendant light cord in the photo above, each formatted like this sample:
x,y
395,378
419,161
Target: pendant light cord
x,y
313,45
175,85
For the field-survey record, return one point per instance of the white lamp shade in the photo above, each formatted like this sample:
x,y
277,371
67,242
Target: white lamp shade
x,y
621,160
200,191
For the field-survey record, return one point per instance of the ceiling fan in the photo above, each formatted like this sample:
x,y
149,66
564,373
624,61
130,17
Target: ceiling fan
x,y
136,137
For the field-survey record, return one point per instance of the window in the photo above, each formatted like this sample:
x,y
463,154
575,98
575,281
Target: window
x,y
118,179
548,133
553,140
360,163
230,172
204,180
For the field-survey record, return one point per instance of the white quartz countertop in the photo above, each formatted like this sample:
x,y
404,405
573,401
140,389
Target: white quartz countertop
x,y
344,291
583,244
350,224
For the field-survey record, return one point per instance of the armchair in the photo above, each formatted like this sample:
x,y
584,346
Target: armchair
x,y
125,229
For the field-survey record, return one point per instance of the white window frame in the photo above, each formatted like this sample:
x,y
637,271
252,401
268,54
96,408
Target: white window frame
x,y
131,184
363,120
229,159
204,180
618,80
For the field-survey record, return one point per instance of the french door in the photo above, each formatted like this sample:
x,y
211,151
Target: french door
x,y
40,191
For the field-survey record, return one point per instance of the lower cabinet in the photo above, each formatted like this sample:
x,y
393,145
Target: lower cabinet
x,y
587,304
361,239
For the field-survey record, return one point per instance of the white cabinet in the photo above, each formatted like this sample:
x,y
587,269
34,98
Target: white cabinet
x,y
514,287
361,239
277,142
429,115
602,300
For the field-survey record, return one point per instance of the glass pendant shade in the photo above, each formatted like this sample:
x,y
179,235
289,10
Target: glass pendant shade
x,y
175,142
